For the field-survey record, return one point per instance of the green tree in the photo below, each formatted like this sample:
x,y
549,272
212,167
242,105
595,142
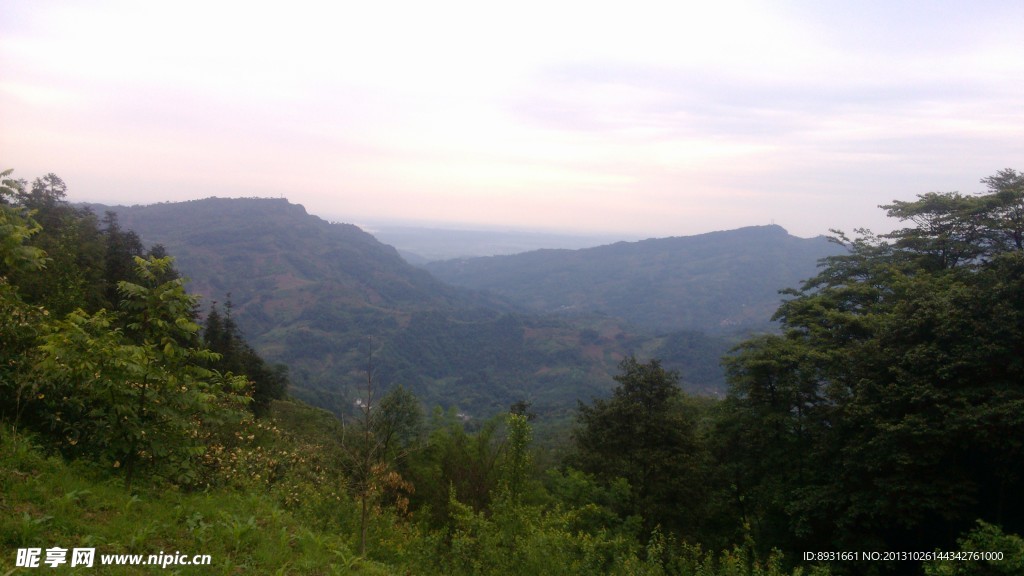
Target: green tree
x,y
86,262
16,228
766,430
999,554
456,465
375,443
1004,216
122,247
888,413
645,434
74,245
137,398
19,321
946,232
516,466
222,335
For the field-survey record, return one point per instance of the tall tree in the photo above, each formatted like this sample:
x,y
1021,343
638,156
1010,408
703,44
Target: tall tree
x,y
135,398
456,465
18,320
1005,211
375,443
890,409
766,431
16,227
223,336
122,247
644,434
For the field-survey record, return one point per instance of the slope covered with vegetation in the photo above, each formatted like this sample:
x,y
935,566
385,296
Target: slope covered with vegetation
x,y
314,295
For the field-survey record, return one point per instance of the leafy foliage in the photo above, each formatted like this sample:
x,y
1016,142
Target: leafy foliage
x,y
375,447
125,388
645,435
16,228
888,413
138,396
985,550
222,336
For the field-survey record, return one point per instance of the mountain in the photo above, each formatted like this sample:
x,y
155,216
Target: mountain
x,y
330,301
720,281
253,248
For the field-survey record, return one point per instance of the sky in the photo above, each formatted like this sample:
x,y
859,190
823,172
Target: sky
x,y
646,118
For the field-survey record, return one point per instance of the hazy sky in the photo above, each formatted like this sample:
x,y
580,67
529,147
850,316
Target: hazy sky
x,y
649,118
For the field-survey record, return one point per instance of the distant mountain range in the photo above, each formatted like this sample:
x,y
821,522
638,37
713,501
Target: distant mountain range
x,y
550,326
721,281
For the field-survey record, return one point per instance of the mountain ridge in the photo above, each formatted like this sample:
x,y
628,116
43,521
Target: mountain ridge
x,y
329,300
608,279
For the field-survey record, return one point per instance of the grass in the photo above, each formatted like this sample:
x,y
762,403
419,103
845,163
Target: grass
x,y
246,529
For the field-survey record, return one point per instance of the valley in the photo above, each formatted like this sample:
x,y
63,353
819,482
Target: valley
x,y
547,326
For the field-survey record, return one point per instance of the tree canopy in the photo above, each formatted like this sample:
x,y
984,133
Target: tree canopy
x,y
890,409
645,435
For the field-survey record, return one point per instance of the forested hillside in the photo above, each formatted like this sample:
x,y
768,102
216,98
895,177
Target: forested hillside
x,y
879,431
324,297
721,281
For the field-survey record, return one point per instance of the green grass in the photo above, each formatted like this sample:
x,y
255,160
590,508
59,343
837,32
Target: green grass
x,y
246,529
